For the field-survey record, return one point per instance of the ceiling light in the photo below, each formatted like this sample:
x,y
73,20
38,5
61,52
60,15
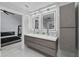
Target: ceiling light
x,y
26,6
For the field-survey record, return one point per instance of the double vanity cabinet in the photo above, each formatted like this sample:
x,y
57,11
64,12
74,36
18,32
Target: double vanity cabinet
x,y
47,45
42,26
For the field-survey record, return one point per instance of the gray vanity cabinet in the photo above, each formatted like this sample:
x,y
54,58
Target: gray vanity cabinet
x,y
47,47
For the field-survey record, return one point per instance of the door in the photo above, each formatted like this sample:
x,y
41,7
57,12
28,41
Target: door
x,y
68,29
67,41
67,15
78,27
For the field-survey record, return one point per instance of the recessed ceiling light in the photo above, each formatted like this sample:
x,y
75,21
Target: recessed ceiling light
x,y
26,6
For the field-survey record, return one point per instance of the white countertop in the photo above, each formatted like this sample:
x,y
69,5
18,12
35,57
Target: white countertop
x,y
52,38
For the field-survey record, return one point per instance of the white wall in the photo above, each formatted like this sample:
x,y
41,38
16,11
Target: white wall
x,y
0,22
10,22
24,27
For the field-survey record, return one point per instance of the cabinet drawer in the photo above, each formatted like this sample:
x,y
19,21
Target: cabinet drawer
x,y
46,43
42,49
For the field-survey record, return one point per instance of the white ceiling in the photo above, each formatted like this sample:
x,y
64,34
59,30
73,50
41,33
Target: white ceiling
x,y
31,5
20,6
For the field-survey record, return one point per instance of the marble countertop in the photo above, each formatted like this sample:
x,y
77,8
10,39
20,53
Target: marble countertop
x,y
46,37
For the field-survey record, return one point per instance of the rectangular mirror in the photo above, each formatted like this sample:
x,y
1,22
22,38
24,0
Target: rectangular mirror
x,y
35,23
48,21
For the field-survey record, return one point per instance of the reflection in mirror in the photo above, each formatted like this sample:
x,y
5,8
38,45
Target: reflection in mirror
x,y
48,21
36,24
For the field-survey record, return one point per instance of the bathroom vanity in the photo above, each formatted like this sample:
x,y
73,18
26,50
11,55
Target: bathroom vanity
x,y
47,45
41,31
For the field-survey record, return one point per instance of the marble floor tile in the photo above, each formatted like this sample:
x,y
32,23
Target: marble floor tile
x,y
17,50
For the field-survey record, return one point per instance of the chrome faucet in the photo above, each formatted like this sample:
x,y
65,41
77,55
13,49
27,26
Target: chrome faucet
x,y
48,24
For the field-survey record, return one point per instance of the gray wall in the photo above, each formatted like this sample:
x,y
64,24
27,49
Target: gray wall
x,y
10,22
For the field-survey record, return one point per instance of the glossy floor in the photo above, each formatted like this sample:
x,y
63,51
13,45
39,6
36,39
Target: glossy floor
x,y
17,50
